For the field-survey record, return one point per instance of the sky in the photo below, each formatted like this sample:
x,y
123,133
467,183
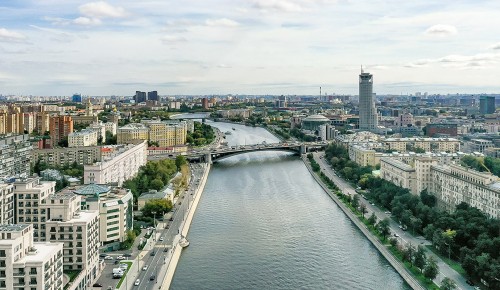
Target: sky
x,y
190,47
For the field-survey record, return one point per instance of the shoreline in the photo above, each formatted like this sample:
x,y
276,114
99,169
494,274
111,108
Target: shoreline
x,y
403,272
177,250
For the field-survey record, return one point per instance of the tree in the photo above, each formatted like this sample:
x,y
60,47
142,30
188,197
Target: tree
x,y
362,209
448,284
419,258
448,237
63,142
409,254
431,268
158,206
383,227
157,184
355,201
179,161
372,219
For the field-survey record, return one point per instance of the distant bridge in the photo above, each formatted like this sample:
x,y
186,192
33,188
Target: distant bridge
x,y
220,153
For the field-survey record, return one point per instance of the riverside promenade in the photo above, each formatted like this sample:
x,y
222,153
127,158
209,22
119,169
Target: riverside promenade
x,y
397,265
184,229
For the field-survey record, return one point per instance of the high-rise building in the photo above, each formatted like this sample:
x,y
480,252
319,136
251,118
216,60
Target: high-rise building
x,y
487,104
368,120
60,127
204,103
140,97
153,96
77,98
15,156
6,203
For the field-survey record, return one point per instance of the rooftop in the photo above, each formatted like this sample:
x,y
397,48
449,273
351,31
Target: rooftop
x,y
92,189
13,228
43,252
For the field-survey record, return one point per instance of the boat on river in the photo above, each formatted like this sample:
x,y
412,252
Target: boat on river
x,y
233,128
228,133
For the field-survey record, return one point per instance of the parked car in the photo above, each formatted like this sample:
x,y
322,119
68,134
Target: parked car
x,y
161,239
137,282
97,285
108,258
120,258
152,253
387,212
152,277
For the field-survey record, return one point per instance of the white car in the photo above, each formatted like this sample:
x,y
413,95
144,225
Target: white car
x,y
161,239
108,258
145,268
120,258
137,282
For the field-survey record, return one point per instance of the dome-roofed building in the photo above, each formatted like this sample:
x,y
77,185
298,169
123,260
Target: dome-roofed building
x,y
314,121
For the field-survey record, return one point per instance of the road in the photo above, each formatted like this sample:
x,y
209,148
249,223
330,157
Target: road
x,y
403,236
157,263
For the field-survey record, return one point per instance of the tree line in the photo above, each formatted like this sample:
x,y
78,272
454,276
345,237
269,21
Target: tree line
x,y
466,235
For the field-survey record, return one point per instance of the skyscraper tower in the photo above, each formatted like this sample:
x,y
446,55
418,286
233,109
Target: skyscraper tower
x,y
367,112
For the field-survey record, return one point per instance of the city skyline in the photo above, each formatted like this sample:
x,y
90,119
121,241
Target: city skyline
x,y
56,47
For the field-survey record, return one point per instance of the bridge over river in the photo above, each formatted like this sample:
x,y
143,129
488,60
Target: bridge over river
x,y
222,152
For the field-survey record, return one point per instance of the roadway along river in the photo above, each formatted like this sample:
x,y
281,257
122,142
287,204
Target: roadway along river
x,y
264,223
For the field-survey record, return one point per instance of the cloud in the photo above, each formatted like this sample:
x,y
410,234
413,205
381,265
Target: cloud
x,y
222,22
278,5
102,9
11,36
172,39
57,35
495,46
441,30
223,66
85,21
460,61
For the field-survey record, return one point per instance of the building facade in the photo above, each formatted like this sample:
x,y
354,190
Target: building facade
x,y
398,172
6,203
487,104
62,156
60,127
450,145
83,138
167,134
15,156
132,133
454,184
118,167
28,265
368,119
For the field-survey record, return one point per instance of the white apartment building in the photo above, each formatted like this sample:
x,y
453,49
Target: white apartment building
x,y
83,138
28,265
29,195
58,218
118,167
398,172
115,210
454,184
478,145
100,128
6,203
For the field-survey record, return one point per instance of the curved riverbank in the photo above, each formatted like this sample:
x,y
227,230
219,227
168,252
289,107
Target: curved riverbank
x,y
177,249
403,272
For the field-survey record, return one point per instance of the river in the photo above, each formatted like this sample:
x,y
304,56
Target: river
x,y
264,223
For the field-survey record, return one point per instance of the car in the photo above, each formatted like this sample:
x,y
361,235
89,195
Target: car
x,y
127,255
120,258
152,253
396,235
116,262
123,266
171,219
165,250
161,239
372,203
137,282
103,255
108,258
97,285
152,277
387,212
145,268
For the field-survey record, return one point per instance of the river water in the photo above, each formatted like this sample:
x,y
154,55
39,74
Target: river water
x,y
264,223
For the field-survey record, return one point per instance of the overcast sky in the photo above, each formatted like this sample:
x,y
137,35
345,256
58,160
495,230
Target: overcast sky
x,y
60,47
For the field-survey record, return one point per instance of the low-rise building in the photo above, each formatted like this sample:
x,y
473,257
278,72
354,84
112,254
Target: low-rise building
x,y
166,193
450,145
29,265
83,138
478,145
117,167
100,128
167,134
